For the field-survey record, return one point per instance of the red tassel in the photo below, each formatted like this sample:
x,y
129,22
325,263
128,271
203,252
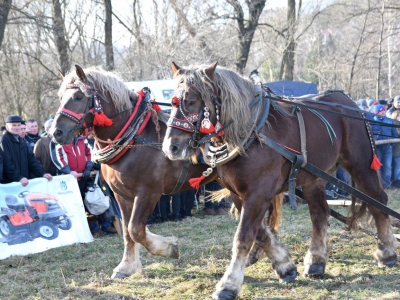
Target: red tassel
x,y
100,119
195,182
156,107
376,164
206,126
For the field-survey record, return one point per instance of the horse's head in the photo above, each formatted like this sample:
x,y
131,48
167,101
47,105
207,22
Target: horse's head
x,y
76,108
194,111
86,101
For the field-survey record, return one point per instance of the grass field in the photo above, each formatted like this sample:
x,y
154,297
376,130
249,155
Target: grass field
x,y
82,271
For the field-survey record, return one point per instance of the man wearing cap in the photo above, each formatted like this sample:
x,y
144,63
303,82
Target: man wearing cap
x,y
395,106
19,163
42,150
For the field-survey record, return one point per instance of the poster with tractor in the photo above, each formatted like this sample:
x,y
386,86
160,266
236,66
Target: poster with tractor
x,y
42,215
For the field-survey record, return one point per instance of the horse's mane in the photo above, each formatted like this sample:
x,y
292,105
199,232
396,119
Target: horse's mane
x,y
235,92
106,82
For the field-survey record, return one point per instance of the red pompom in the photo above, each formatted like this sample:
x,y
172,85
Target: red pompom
x,y
206,126
376,164
195,182
100,119
156,107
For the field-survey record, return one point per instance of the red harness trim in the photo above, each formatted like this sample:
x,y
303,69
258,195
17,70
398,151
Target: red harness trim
x,y
141,128
78,117
295,151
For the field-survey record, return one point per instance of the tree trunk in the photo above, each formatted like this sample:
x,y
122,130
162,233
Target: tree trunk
x,y
5,6
60,39
108,36
246,29
378,73
287,66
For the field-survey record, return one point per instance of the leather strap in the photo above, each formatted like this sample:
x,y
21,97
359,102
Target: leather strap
x,y
329,178
181,178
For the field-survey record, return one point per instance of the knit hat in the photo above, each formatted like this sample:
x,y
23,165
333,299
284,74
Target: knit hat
x,y
377,109
397,98
369,101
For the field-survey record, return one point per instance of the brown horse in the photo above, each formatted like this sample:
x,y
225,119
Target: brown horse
x,y
140,176
214,96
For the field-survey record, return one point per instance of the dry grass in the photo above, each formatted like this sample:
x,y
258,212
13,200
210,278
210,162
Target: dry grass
x,y
82,271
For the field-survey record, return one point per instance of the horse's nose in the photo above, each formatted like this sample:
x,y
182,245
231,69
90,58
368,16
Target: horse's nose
x,y
173,149
57,133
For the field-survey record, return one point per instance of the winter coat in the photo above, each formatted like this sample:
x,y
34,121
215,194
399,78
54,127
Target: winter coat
x,y
32,139
382,132
18,161
75,156
42,153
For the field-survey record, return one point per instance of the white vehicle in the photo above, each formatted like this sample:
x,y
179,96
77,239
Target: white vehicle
x,y
161,90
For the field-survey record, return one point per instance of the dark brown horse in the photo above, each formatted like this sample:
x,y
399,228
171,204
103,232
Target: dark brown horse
x,y
141,175
260,173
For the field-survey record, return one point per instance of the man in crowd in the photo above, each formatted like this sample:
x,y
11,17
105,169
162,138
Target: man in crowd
x,y
42,150
19,163
22,134
395,106
32,130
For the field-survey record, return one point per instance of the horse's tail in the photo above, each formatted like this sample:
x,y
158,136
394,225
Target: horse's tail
x,y
275,216
275,209
356,211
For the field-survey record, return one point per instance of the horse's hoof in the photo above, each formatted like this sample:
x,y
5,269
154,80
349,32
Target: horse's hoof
x,y
118,275
315,269
289,276
224,295
389,262
174,252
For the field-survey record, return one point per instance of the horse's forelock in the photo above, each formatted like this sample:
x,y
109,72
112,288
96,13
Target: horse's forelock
x,y
106,82
235,94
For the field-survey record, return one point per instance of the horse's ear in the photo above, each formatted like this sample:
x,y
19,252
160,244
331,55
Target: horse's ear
x,y
81,74
61,74
175,68
211,70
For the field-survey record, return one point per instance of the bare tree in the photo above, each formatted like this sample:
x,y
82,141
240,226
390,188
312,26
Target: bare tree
x,y
108,35
5,6
287,66
60,37
246,29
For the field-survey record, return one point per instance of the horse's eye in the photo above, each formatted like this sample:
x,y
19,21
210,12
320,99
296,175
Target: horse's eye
x,y
191,103
78,98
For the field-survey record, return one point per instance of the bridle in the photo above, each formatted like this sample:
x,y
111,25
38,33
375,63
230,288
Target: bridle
x,y
93,105
191,123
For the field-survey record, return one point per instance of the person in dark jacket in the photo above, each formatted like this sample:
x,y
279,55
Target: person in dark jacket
x,y
395,106
19,163
384,150
32,129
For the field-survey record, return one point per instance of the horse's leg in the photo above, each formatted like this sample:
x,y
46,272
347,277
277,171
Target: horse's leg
x,y
155,244
130,262
368,183
252,213
316,257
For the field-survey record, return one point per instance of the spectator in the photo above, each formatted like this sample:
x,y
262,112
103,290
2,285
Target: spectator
x,y
3,130
75,158
19,163
42,151
396,155
395,106
32,130
384,151
46,129
22,135
1,165
211,208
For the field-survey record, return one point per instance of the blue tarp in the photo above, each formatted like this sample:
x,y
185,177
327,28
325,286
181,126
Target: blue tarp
x,y
292,88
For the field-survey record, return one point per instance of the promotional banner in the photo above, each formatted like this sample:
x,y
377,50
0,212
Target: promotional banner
x,y
42,215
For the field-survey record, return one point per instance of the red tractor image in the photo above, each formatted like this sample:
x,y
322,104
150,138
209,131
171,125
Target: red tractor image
x,y
38,215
